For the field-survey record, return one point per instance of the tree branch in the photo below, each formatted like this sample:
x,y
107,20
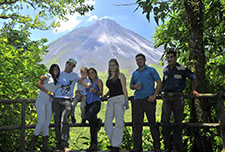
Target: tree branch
x,y
5,16
8,2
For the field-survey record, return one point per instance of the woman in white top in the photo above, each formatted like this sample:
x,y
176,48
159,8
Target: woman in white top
x,y
44,106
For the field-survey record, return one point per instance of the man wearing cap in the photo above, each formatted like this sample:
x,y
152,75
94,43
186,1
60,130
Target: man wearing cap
x,y
61,106
174,80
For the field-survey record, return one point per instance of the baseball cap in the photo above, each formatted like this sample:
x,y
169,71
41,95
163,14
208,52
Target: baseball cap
x,y
72,61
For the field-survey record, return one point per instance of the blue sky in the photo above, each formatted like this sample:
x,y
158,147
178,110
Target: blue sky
x,y
124,15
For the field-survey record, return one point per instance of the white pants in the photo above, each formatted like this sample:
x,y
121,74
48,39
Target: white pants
x,y
44,111
115,108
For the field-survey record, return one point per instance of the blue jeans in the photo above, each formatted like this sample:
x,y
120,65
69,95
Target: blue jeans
x,y
91,115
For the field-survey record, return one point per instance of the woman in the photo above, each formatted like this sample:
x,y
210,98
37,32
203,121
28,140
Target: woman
x,y
44,106
118,98
94,91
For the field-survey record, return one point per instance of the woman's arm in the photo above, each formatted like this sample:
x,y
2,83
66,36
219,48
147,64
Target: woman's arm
x,y
100,86
42,88
123,83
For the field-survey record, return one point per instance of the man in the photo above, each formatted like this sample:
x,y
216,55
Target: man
x,y
142,81
61,106
174,81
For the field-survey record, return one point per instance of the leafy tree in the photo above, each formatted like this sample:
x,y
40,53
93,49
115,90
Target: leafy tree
x,y
195,30
20,57
40,14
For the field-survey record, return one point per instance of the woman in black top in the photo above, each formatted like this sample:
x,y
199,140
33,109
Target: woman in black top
x,y
118,98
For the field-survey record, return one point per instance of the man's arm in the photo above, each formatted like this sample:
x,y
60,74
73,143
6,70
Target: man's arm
x,y
136,87
194,86
157,90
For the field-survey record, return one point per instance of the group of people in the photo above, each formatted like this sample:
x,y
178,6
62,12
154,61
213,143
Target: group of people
x,y
56,96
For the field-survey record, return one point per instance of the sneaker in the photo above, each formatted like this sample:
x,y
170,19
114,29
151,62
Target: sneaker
x,y
73,119
99,124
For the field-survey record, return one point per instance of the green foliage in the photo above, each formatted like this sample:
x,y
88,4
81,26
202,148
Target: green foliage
x,y
20,57
127,139
174,34
44,12
20,70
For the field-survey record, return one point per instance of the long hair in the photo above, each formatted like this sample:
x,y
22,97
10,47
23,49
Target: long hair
x,y
55,78
116,76
95,73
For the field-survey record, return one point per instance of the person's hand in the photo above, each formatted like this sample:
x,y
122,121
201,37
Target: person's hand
x,y
93,90
51,94
104,98
195,94
151,98
138,86
126,105
43,78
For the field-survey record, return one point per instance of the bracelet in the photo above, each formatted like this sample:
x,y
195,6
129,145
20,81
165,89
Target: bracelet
x,y
49,92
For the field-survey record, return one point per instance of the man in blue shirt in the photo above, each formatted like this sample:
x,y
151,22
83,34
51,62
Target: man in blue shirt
x,y
142,81
174,82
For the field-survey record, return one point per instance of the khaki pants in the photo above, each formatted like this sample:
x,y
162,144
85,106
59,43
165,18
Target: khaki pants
x,y
115,109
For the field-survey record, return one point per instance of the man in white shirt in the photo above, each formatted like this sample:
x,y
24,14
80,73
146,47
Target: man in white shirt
x,y
61,106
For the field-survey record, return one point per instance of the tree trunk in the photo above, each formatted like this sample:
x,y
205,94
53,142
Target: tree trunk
x,y
194,10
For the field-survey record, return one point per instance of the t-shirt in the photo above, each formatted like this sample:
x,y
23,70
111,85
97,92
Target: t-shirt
x,y
66,85
81,88
49,85
147,78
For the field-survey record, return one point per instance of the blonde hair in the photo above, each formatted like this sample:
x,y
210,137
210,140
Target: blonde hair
x,y
117,70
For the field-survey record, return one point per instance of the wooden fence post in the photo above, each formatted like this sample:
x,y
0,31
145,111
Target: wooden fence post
x,y
23,125
222,117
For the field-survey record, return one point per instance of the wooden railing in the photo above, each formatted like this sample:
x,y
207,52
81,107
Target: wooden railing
x,y
220,97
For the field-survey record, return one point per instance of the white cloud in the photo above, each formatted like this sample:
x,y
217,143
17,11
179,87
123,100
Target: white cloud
x,y
105,17
92,18
73,20
69,25
89,2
